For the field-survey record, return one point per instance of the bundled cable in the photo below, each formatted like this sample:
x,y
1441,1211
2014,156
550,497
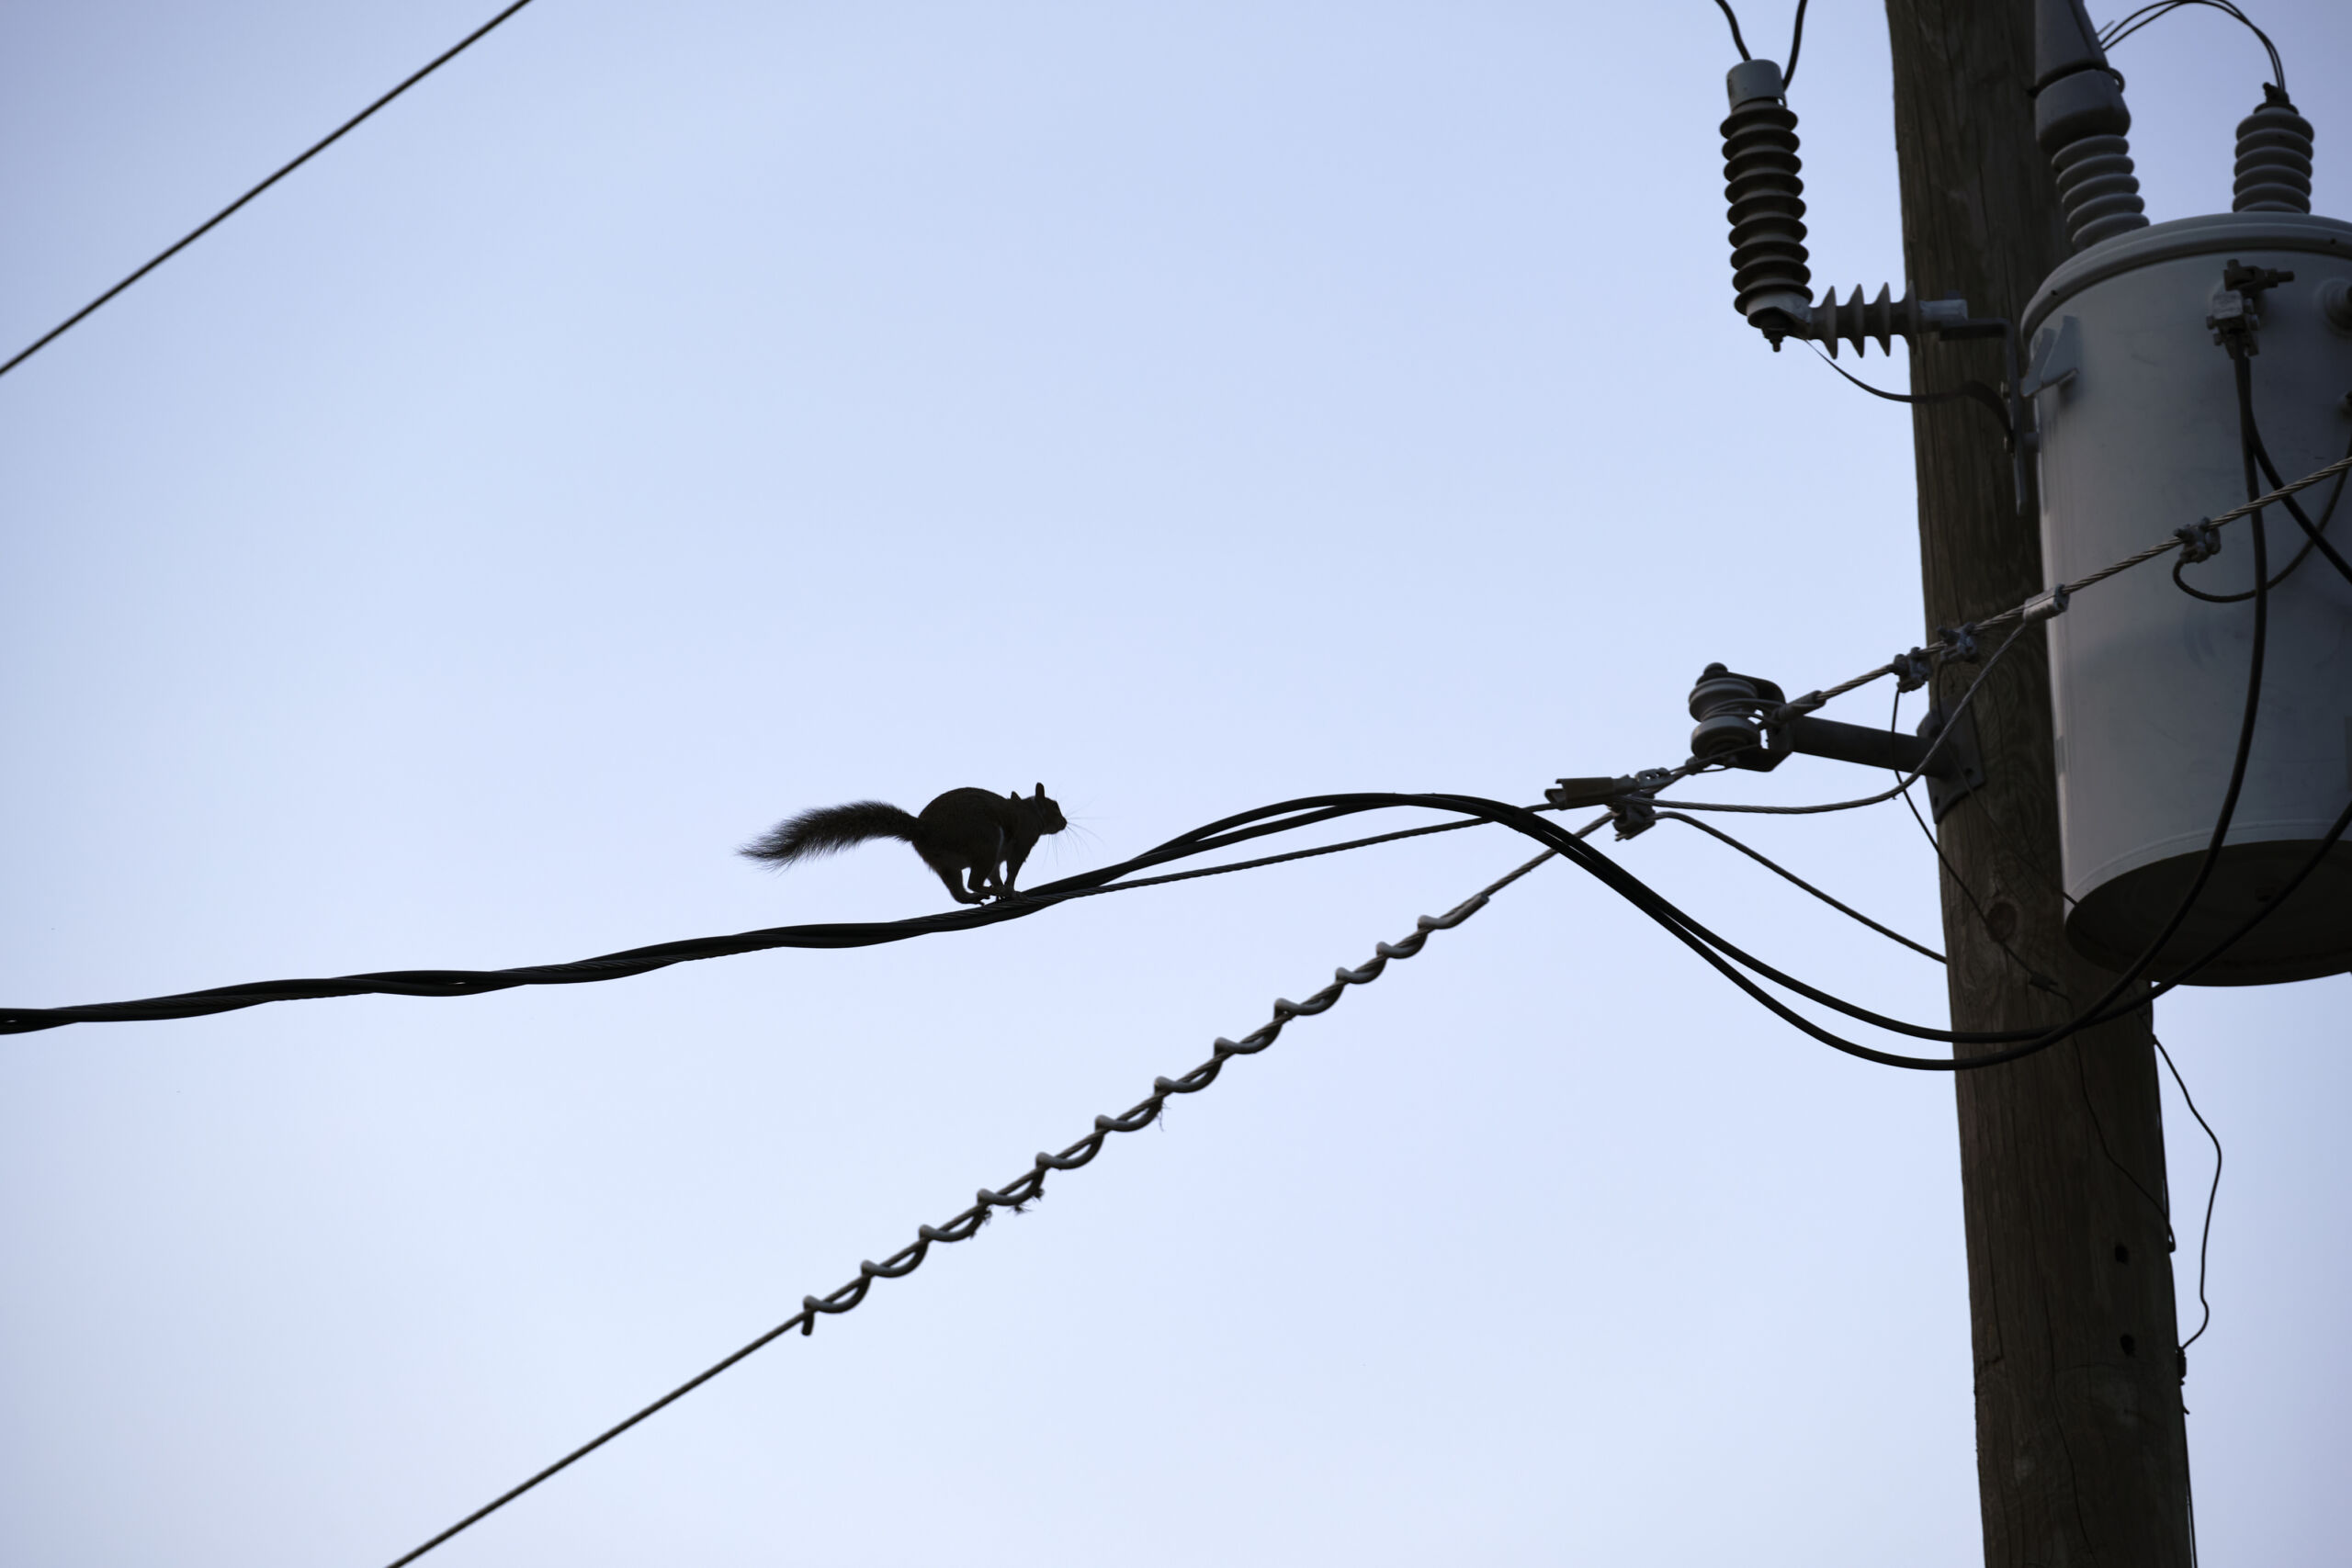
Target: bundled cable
x,y
1219,835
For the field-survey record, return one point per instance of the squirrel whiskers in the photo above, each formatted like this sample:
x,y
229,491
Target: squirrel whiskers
x,y
975,841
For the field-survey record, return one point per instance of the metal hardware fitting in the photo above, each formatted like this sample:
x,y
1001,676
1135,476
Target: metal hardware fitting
x,y
1745,722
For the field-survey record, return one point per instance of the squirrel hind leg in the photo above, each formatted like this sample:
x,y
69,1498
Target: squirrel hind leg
x,y
951,874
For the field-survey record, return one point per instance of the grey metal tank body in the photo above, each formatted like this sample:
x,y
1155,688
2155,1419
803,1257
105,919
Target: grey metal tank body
x,y
2148,683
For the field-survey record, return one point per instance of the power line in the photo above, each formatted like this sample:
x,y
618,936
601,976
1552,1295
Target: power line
x,y
2115,32
2205,1238
1733,963
1224,834
1845,909
1287,815
316,148
1977,392
2327,515
1732,17
2315,532
1030,1185
2044,604
1796,42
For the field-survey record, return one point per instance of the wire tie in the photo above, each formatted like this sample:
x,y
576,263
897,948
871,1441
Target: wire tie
x,y
2199,540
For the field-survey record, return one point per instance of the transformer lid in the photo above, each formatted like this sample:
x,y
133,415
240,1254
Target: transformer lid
x,y
2214,234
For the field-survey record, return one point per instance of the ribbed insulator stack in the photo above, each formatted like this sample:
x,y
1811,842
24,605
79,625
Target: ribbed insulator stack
x,y
1772,283
2274,172
2079,119
2098,188
1857,320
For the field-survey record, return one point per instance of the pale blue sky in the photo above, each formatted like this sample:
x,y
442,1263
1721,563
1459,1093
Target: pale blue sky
x,y
667,418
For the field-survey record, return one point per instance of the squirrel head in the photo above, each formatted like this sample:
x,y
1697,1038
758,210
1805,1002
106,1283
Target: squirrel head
x,y
1048,815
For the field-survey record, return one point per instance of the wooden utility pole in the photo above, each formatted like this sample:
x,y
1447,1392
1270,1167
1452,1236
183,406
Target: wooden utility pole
x,y
2082,1457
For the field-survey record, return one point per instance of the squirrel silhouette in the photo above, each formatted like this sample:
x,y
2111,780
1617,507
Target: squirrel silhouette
x,y
975,840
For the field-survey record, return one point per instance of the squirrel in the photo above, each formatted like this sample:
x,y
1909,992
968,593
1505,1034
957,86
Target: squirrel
x,y
964,834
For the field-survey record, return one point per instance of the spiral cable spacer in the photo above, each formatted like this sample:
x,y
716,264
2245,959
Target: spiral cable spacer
x,y
2274,166
1771,282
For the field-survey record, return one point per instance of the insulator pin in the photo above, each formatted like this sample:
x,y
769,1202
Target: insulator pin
x,y
1731,709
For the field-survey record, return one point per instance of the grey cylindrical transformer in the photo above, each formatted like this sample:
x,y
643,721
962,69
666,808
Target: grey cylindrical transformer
x,y
2137,409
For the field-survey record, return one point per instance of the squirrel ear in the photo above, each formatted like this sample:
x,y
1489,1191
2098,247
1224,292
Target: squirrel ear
x,y
1041,792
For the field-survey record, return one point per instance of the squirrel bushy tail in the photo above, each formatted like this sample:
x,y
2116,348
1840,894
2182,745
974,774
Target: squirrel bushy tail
x,y
826,829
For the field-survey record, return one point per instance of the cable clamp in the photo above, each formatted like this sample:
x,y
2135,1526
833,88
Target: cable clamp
x,y
1911,670
2199,541
1633,817
1570,793
2047,607
1959,643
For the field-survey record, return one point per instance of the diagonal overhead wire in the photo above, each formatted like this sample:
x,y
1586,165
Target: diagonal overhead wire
x,y
185,241
1029,1186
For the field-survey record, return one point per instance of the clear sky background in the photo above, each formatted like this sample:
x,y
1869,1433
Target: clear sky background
x,y
670,417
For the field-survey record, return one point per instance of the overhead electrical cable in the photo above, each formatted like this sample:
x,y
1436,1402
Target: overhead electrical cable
x,y
1985,397
2327,515
1030,1185
176,246
1732,17
1782,871
2033,977
1796,42
2117,31
1941,648
1215,836
2314,533
2205,1237
1288,816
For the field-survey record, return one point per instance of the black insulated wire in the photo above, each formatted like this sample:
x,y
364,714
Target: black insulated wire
x,y
1223,834
1732,17
2205,1237
2117,31
185,241
1796,42
2327,514
1976,392
2314,533
1778,870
